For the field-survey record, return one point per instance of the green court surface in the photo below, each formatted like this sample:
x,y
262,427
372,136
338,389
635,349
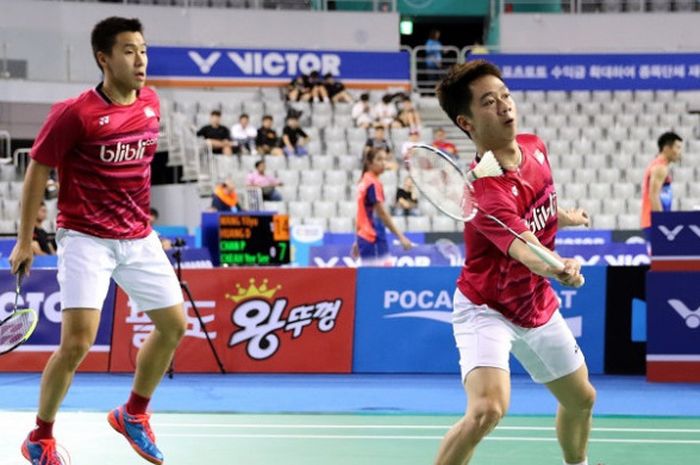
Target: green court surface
x,y
188,439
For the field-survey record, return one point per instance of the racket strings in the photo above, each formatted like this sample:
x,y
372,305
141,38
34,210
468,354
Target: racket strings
x,y
440,181
15,328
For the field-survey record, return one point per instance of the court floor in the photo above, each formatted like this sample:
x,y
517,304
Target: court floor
x,y
354,439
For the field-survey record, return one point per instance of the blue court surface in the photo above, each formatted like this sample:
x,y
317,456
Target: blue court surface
x,y
350,420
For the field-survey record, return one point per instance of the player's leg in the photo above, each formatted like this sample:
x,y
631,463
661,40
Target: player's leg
x,y
483,337
552,357
147,276
488,394
576,396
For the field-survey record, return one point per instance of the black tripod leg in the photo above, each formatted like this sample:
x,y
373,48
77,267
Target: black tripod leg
x,y
204,328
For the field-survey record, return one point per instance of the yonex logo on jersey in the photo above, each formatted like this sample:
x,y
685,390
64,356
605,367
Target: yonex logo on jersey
x,y
148,111
539,156
515,191
125,152
103,120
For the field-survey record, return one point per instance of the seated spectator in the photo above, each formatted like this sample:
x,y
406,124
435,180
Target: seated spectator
x,y
408,117
444,144
385,111
298,90
362,112
225,198
244,134
267,183
406,199
51,189
41,243
294,139
336,90
413,139
217,136
164,241
318,89
267,142
377,141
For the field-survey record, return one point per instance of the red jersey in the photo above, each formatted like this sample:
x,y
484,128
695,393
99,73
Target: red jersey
x,y
103,153
523,199
369,193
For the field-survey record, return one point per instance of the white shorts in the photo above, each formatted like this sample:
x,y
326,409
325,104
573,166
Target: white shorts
x,y
139,266
485,338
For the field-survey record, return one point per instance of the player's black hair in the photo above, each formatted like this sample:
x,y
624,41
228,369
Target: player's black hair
x,y
154,213
215,113
369,157
668,138
267,117
453,91
244,115
104,34
258,163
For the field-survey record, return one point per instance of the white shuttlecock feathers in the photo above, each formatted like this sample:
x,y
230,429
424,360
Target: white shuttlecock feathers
x,y
487,167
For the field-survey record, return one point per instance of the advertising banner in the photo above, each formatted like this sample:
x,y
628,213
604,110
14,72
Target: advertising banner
x,y
403,320
40,292
260,320
676,71
673,326
675,241
178,66
328,256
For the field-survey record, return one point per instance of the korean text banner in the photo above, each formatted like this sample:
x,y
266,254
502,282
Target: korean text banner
x,y
266,320
191,65
676,71
40,292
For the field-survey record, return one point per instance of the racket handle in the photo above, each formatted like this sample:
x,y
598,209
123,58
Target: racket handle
x,y
550,259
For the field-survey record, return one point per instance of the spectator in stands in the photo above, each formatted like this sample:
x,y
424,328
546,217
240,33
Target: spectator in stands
x,y
267,142
406,199
244,134
317,86
408,116
164,241
656,185
298,90
385,111
294,139
216,135
377,141
336,90
51,190
443,144
433,51
225,198
372,218
362,112
258,178
413,139
41,242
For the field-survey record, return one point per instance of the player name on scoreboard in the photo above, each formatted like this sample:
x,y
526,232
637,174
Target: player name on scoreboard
x,y
253,239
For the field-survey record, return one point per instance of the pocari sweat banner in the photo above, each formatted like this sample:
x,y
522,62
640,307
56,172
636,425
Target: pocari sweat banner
x,y
227,66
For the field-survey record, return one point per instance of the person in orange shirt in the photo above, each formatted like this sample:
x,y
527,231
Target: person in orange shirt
x,y
371,244
225,198
656,185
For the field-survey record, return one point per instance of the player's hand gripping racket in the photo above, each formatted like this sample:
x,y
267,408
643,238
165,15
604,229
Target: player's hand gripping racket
x,y
16,328
439,179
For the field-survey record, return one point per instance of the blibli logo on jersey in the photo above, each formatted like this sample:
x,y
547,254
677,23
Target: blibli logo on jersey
x,y
543,213
125,152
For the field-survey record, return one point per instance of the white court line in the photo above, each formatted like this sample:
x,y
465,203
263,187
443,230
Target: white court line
x,y
416,427
413,438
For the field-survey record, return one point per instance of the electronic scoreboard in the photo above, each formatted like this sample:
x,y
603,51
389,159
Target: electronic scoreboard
x,y
247,239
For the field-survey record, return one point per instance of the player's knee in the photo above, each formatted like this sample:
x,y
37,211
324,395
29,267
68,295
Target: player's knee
x,y
486,415
73,352
174,332
584,401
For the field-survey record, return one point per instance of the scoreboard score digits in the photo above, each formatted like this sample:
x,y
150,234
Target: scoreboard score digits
x,y
253,240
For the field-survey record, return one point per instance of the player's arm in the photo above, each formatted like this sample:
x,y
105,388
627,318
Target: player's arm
x,y
389,223
656,181
572,217
570,276
32,195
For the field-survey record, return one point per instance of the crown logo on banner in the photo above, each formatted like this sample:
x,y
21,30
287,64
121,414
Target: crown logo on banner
x,y
254,291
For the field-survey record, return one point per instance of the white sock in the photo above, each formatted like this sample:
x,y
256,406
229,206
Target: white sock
x,y
585,462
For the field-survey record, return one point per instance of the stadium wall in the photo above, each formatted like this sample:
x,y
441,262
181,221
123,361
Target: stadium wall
x,y
628,32
56,42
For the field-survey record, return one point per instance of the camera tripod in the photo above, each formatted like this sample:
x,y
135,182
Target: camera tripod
x,y
177,245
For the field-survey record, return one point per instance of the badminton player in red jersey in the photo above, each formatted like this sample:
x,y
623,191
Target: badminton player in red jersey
x,y
504,302
102,144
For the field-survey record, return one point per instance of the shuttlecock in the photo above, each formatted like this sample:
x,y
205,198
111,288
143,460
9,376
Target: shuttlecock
x,y
487,167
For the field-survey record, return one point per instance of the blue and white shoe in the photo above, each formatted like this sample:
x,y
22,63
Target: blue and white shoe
x,y
137,430
42,452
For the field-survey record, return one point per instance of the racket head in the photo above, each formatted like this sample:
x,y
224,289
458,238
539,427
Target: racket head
x,y
440,180
17,328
